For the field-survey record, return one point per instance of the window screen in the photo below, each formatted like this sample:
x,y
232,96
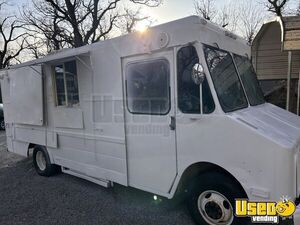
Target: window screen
x,y
188,91
66,84
148,87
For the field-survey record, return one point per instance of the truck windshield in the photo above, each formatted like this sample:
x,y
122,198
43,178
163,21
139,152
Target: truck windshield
x,y
226,79
249,79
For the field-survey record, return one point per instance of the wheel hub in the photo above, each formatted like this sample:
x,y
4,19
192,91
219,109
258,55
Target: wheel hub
x,y
40,160
215,208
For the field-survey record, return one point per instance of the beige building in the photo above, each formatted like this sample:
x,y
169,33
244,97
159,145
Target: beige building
x,y
276,59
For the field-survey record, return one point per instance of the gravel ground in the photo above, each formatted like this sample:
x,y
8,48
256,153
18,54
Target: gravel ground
x,y
26,198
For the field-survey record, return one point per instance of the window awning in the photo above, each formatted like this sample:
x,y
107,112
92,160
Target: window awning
x,y
57,56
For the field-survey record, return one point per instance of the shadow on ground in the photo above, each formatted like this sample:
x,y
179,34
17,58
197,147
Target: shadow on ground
x,y
26,198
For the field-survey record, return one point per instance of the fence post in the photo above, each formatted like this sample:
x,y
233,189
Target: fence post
x,y
288,94
298,95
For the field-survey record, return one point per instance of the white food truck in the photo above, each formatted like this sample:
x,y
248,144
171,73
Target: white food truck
x,y
173,110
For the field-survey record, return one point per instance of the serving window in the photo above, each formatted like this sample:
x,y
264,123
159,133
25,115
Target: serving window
x,y
66,84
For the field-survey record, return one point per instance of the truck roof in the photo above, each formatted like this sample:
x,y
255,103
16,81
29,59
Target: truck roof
x,y
178,32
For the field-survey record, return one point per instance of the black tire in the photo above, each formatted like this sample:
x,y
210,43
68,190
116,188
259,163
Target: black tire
x,y
220,184
48,169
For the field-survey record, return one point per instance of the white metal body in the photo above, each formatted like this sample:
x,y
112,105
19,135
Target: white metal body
x,y
101,140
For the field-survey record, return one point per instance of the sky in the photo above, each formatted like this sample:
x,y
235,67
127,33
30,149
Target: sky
x,y
174,9
171,10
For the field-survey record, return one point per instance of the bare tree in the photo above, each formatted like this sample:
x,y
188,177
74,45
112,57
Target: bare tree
x,y
206,9
243,16
66,23
298,9
277,6
225,17
128,22
228,16
47,29
12,37
251,18
37,46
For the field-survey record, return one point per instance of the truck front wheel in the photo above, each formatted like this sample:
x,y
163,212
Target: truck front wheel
x,y
212,200
41,162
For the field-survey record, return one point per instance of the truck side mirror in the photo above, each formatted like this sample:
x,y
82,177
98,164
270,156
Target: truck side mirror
x,y
198,74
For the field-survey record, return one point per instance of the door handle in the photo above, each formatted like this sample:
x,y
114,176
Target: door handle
x,y
173,123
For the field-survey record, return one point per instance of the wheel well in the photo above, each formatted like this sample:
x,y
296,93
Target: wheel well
x,y
199,168
30,146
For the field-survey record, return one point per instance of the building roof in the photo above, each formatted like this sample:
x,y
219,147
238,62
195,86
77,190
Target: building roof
x,y
290,32
291,37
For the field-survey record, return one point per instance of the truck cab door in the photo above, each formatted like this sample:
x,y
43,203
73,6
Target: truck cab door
x,y
150,121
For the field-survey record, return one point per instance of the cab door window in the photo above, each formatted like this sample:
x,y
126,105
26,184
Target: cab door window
x,y
148,87
188,91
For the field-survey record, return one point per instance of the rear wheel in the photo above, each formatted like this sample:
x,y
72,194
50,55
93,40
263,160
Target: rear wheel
x,y
41,162
212,200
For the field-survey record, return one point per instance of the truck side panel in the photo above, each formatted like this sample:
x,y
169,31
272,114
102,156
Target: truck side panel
x,y
88,138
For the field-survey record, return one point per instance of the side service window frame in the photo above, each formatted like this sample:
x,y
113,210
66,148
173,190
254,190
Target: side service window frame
x,y
67,90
